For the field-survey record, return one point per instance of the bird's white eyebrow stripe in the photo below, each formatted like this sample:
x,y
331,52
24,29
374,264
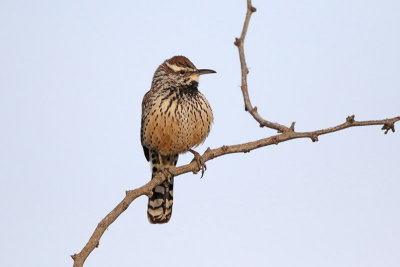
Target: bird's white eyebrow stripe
x,y
176,68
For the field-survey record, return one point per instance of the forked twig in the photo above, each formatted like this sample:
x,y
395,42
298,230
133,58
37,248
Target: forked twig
x,y
239,42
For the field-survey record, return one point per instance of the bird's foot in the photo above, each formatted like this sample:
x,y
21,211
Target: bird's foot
x,y
167,174
200,162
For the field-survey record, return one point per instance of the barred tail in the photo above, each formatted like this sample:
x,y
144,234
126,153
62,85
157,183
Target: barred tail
x,y
159,207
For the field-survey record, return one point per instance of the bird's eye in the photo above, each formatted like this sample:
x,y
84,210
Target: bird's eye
x,y
182,72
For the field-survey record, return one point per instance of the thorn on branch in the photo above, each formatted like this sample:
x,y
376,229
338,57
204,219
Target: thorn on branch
x,y
74,256
350,119
314,137
388,126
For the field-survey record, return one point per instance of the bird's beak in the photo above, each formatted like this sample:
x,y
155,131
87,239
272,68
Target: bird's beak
x,y
205,71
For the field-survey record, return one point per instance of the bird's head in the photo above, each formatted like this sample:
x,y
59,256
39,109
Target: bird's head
x,y
180,71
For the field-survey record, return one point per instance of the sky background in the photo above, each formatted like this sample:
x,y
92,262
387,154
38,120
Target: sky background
x,y
72,78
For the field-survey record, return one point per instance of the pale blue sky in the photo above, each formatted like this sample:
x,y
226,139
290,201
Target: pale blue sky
x,y
72,78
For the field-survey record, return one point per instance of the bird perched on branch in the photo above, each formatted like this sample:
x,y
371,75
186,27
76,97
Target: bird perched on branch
x,y
175,118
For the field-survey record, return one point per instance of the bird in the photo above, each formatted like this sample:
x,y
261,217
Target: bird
x,y
176,117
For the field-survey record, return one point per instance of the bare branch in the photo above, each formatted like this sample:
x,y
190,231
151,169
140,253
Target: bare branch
x,y
210,154
285,134
239,42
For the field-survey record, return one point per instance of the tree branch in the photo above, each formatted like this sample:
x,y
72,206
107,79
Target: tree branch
x,y
209,154
239,42
285,134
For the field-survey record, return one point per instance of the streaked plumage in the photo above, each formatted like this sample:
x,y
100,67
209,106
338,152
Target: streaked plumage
x,y
175,118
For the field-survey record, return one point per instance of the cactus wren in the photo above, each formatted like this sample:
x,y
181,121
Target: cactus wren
x,y
175,118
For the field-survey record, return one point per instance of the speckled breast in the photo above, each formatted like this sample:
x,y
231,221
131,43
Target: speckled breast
x,y
174,125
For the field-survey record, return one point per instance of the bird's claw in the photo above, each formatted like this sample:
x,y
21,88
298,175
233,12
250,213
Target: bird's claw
x,y
167,174
200,162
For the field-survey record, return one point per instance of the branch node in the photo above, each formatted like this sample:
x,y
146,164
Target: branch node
x,y
253,9
237,42
224,148
209,152
254,109
275,140
314,137
74,256
246,151
388,126
350,119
